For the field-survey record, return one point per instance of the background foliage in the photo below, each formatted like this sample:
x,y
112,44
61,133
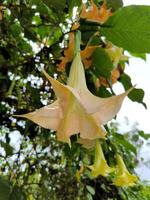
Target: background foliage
x,y
34,34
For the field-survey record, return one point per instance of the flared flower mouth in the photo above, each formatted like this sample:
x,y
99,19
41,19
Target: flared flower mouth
x,y
100,166
124,178
76,109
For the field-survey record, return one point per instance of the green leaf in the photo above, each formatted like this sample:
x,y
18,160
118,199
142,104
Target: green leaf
x,y
35,97
94,40
40,6
129,28
2,59
24,46
102,63
7,192
90,189
57,4
17,194
55,35
89,196
36,20
15,29
4,189
126,81
136,95
8,149
103,92
120,139
139,55
43,31
72,4
114,5
146,136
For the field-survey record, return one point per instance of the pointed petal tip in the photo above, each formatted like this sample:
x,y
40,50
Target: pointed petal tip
x,y
123,177
22,115
64,140
50,78
25,116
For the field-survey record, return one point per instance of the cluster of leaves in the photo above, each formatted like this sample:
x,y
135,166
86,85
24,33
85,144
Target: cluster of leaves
x,y
32,34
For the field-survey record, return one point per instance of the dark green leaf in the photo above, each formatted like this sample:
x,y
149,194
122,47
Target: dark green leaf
x,y
120,139
56,34
129,28
2,59
35,97
4,189
7,192
8,149
16,29
17,194
43,31
114,5
136,94
41,7
30,35
126,81
57,4
72,4
102,63
103,92
146,136
24,46
1,76
95,40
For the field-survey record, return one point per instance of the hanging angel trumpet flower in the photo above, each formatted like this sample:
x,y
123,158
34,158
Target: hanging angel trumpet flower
x,y
76,109
124,178
100,166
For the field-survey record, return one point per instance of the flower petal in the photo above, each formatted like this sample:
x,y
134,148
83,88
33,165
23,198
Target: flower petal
x,y
60,89
124,178
95,14
104,109
111,107
86,143
90,128
76,120
48,116
69,126
100,166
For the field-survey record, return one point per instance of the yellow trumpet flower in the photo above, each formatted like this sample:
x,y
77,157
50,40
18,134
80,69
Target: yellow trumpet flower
x,y
100,166
76,109
124,178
